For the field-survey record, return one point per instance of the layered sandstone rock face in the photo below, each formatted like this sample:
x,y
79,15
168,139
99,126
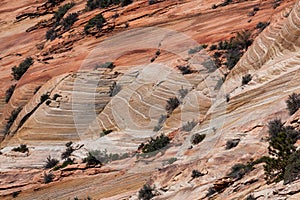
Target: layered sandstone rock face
x,y
80,102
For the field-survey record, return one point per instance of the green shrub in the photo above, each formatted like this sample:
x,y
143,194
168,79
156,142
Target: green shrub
x,y
185,69
51,34
282,163
69,150
217,54
246,79
18,72
157,127
232,49
232,57
108,65
98,21
293,103
242,40
281,144
9,93
232,143
195,50
196,174
182,93
274,170
54,2
151,2
189,126
162,119
197,138
37,89
146,193
276,3
67,162
157,53
105,157
93,4
217,62
213,47
116,15
48,177
152,59
14,114
91,160
275,127
239,170
227,97
125,2
250,197
262,25
281,149
44,97
50,163
293,135
172,104
292,169
69,21
226,2
48,102
211,191
172,160
160,122
55,96
69,144
22,148
156,144
105,132
15,194
256,9
62,11
222,45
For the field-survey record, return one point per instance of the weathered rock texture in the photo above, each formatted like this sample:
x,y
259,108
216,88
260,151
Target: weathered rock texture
x,y
80,105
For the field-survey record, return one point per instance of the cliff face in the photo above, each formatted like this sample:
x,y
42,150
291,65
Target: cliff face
x,y
278,43
273,62
67,96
